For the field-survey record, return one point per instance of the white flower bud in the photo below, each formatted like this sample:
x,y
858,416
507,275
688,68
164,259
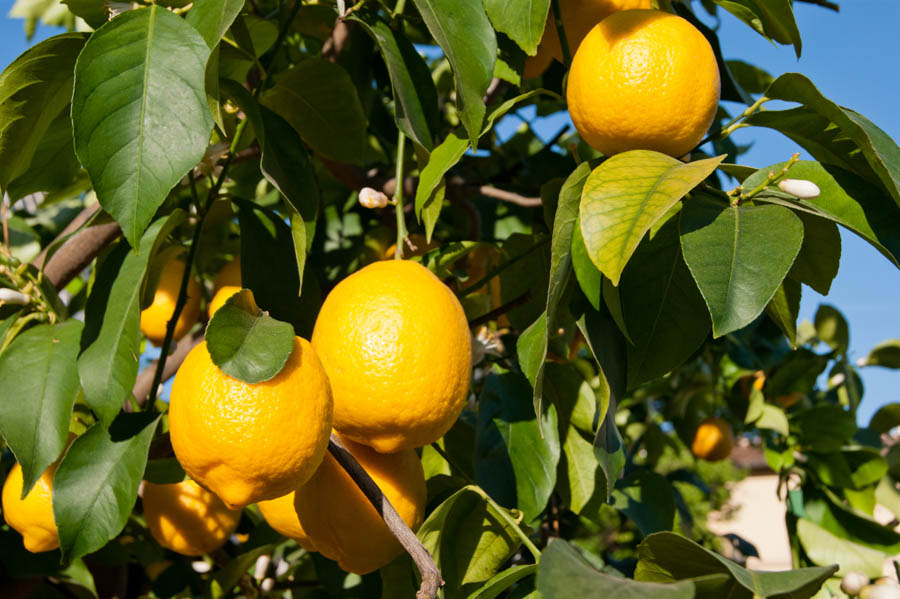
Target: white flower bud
x,y
201,567
11,296
371,198
262,565
267,585
880,591
799,187
853,582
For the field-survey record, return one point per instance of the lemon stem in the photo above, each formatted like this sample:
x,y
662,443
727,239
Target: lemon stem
x,y
398,8
735,124
561,32
402,233
769,180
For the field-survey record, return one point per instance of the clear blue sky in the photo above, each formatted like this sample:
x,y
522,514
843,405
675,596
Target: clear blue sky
x,y
854,59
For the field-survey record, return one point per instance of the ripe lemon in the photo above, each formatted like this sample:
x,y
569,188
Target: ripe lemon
x,y
395,343
186,518
341,522
643,80
578,17
229,276
32,517
282,516
250,442
713,440
219,299
156,316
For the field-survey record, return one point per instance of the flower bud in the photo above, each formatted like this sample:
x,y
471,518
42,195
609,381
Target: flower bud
x,y
371,198
799,187
11,296
853,582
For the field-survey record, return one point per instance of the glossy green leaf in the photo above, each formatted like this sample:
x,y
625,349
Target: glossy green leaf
x,y
482,542
135,147
563,574
738,255
647,499
753,79
108,364
662,308
626,195
831,133
773,19
823,547
832,328
95,486
514,462
502,581
94,12
416,110
522,20
464,33
784,308
245,342
39,367
319,100
34,90
820,255
824,427
589,278
212,18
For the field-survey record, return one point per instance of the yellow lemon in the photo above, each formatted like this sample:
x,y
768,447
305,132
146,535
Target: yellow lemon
x,y
219,299
713,440
282,516
156,316
31,517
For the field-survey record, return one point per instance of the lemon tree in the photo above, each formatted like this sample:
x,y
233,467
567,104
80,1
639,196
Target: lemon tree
x,y
415,350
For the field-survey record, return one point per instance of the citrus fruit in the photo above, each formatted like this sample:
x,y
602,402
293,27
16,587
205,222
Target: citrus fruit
x,y
32,517
713,440
395,343
156,316
220,298
643,80
229,276
250,442
282,516
341,522
186,518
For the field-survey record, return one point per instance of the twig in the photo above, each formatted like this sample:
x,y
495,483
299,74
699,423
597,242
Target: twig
x,y
334,45
561,33
141,388
508,196
431,576
402,233
732,125
493,314
3,209
78,251
824,3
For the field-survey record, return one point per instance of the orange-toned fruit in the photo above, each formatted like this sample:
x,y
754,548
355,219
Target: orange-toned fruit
x,y
229,276
250,442
31,517
156,316
282,516
219,299
643,80
186,518
341,522
713,440
395,343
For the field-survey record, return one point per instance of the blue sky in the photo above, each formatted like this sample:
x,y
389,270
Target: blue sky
x,y
854,58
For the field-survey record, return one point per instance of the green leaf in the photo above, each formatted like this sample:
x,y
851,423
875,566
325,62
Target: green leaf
x,y
752,78
502,581
831,133
212,18
34,90
662,308
560,271
416,110
522,20
482,542
823,428
589,278
886,418
831,327
39,367
773,19
514,463
164,471
647,499
773,418
319,100
885,354
108,364
464,33
563,574
820,255
95,486
246,343
626,195
823,547
738,255
53,166
785,308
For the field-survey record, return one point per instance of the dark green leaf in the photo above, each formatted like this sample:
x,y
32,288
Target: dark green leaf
x,y
39,368
108,363
831,133
785,308
626,195
134,144
885,354
773,19
886,418
662,308
824,427
589,278
502,581
164,471
563,574
464,33
319,100
416,110
34,90
53,166
831,327
246,343
94,12
95,486
647,499
753,79
738,255
482,542
522,20
820,255
212,18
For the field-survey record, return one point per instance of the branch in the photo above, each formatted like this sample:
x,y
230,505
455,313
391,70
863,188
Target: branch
x,y
144,382
508,196
431,576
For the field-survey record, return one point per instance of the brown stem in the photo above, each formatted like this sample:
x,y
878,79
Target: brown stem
x,y
431,576
508,196
334,45
141,389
